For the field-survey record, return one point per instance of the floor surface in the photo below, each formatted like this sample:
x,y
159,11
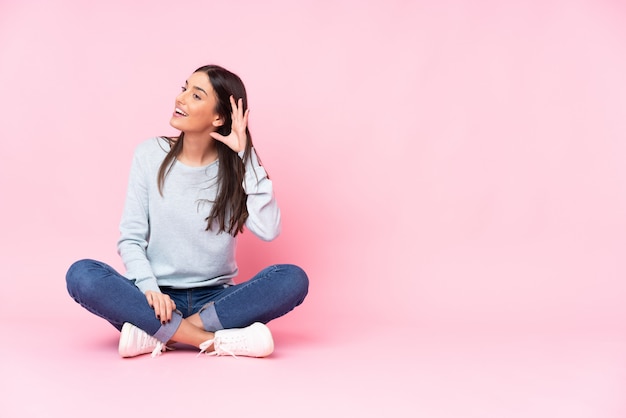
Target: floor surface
x,y
73,370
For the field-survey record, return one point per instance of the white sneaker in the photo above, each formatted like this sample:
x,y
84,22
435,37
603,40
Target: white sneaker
x,y
135,341
253,341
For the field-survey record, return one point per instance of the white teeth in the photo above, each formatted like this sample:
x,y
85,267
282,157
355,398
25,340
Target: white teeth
x,y
180,112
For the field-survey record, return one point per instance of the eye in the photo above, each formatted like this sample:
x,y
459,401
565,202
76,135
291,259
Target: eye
x,y
195,96
183,88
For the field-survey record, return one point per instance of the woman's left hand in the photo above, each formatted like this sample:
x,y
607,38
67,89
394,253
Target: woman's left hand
x,y
237,138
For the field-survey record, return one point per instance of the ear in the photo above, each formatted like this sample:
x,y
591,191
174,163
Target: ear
x,y
219,121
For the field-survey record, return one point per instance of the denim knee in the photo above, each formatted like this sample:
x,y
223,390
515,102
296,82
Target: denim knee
x,y
79,279
297,280
75,275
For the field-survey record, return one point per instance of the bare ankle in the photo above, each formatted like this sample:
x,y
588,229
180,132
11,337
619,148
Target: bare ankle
x,y
196,321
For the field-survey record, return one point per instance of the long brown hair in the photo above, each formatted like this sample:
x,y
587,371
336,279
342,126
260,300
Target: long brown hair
x,y
229,209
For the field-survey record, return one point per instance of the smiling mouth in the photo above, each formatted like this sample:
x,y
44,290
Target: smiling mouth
x,y
180,112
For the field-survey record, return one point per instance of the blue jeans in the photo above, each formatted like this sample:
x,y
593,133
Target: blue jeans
x,y
271,293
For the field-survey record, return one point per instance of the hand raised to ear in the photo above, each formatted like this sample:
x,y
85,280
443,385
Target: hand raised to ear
x,y
237,138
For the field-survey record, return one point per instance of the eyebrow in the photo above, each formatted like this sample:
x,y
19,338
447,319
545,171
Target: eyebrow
x,y
197,88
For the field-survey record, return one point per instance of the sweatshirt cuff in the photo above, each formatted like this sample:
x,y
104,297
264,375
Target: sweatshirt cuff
x,y
147,284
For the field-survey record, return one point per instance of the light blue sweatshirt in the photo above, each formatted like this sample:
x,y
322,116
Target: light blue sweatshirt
x,y
163,241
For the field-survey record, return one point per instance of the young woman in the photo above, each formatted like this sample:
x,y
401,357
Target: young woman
x,y
188,198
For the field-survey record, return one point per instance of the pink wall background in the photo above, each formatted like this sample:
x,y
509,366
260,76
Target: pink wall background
x,y
451,175
442,165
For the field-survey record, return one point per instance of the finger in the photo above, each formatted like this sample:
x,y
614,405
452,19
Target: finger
x,y
237,109
245,117
149,299
165,310
169,307
172,311
157,307
233,106
166,314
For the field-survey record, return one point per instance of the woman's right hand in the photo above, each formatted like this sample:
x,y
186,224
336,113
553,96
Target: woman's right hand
x,y
162,304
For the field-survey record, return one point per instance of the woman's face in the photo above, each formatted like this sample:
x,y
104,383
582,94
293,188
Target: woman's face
x,y
195,107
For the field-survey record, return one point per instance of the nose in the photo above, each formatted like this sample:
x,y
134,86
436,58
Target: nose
x,y
181,97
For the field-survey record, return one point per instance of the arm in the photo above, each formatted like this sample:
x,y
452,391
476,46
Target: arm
x,y
133,242
135,230
263,211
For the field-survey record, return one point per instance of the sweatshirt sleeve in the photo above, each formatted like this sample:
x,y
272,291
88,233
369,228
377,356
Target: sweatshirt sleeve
x,y
135,229
263,211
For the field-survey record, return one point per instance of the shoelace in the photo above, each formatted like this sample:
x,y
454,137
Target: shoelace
x,y
205,346
218,350
160,348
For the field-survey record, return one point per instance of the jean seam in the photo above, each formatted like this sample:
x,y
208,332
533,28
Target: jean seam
x,y
249,284
93,311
